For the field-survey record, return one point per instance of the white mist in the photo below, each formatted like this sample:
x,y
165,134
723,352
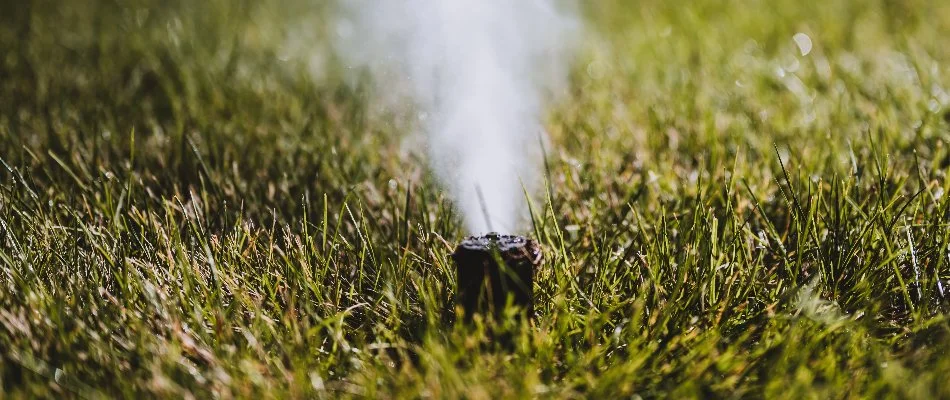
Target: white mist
x,y
479,72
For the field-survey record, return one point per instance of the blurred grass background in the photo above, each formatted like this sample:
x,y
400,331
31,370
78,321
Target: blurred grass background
x,y
746,199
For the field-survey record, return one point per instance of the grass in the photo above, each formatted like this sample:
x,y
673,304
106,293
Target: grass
x,y
195,203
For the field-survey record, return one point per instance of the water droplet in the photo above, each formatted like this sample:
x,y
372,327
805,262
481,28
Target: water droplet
x,y
803,42
933,105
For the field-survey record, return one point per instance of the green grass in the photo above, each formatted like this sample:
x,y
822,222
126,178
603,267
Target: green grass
x,y
194,203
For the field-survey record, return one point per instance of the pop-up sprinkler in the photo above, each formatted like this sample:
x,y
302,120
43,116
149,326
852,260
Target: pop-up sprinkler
x,y
494,271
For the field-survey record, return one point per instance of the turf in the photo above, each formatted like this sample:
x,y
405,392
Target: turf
x,y
198,200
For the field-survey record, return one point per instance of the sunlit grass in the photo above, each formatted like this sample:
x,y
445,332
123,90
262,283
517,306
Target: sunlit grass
x,y
197,200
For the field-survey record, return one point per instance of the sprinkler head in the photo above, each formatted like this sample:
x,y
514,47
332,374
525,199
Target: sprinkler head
x,y
494,271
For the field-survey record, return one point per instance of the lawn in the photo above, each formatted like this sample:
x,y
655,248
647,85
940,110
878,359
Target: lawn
x,y
742,199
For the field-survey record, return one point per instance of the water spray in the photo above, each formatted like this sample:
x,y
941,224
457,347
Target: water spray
x,y
479,73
